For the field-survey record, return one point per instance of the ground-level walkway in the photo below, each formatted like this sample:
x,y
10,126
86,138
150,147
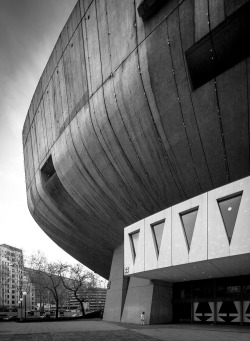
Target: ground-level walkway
x,y
93,330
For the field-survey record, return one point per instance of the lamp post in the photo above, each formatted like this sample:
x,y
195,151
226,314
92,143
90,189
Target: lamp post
x,y
24,294
21,301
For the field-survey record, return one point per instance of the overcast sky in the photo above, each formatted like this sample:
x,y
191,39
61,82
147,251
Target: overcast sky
x,y
28,32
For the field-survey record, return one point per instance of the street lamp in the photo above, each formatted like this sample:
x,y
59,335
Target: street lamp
x,y
21,301
24,294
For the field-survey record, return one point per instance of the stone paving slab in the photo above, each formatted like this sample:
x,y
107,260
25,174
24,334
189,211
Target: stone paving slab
x,y
176,334
100,330
56,326
69,330
111,335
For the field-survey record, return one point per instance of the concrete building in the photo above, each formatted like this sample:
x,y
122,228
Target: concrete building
x,y
94,300
136,151
32,294
11,275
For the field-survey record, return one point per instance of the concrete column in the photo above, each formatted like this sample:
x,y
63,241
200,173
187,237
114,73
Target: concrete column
x,y
152,297
162,307
129,296
118,287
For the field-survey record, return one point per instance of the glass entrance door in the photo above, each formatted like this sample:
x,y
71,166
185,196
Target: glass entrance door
x,y
219,300
182,313
204,312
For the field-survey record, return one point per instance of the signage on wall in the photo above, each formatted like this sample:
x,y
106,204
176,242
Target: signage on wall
x,y
126,270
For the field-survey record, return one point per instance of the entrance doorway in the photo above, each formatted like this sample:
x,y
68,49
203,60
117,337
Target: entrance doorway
x,y
182,313
220,300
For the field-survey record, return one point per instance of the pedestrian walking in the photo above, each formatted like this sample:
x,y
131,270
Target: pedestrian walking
x,y
142,318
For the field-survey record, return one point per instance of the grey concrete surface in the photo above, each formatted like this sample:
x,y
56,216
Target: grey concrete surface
x,y
101,330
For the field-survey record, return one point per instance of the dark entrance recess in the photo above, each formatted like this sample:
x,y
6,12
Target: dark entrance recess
x,y
182,313
213,301
222,48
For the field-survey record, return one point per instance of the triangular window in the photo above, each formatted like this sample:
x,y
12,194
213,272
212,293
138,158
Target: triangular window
x,y
229,208
188,220
134,237
157,231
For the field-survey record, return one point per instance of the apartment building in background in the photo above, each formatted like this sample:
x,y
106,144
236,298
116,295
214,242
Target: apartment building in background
x,y
11,275
15,280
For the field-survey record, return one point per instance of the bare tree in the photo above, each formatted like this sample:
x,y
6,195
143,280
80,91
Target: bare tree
x,y
46,277
79,281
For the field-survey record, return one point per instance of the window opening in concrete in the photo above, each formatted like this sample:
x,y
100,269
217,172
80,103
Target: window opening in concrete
x,y
229,208
48,170
221,49
188,219
147,8
134,237
157,231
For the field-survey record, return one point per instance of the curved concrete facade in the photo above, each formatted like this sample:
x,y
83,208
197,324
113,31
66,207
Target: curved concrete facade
x,y
120,131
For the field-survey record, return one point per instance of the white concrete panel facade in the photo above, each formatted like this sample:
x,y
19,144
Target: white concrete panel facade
x,y
135,264
210,253
152,260
219,246
198,246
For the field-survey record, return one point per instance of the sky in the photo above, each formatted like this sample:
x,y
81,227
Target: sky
x,y
28,32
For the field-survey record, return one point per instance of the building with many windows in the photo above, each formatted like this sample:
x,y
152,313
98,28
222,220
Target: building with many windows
x,y
94,300
136,150
11,275
32,294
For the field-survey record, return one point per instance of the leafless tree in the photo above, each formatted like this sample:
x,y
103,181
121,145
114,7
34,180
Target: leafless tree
x,y
79,281
46,277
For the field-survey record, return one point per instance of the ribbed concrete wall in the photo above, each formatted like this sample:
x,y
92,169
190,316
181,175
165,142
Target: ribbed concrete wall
x,y
128,136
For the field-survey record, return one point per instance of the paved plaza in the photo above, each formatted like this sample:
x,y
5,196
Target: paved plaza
x,y
86,330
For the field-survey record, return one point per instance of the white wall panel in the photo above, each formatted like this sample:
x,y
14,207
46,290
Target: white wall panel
x,y
240,242
218,245
164,258
198,245
179,245
165,254
130,264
